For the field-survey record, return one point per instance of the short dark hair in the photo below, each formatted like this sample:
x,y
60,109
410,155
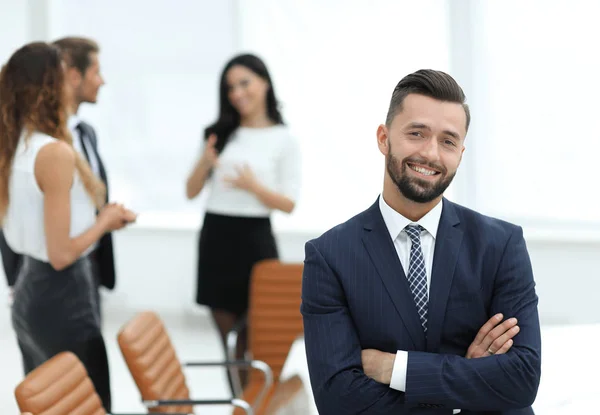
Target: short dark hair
x,y
434,84
76,51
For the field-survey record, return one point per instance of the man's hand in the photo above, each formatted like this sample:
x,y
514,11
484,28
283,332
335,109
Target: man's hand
x,y
493,338
378,365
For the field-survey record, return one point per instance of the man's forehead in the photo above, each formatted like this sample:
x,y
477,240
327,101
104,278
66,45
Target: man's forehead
x,y
431,112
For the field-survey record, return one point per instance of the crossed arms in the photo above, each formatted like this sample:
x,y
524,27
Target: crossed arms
x,y
494,383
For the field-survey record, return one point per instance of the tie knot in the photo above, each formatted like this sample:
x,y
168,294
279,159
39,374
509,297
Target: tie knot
x,y
414,232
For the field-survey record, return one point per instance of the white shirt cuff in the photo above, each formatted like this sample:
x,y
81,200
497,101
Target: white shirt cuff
x,y
398,380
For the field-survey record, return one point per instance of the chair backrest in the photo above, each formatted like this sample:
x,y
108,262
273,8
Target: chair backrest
x,y
274,318
59,386
153,362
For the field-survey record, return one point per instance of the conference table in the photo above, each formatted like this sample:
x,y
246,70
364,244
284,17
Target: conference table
x,y
570,371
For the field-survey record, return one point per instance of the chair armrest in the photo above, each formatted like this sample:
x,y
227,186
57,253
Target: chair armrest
x,y
231,348
255,364
169,402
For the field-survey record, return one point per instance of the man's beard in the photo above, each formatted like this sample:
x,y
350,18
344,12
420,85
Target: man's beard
x,y
415,189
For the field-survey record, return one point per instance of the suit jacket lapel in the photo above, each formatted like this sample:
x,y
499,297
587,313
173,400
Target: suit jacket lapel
x,y
447,247
90,136
381,249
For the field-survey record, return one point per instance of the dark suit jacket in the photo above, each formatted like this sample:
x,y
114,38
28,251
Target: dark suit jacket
x,y
355,296
11,261
104,254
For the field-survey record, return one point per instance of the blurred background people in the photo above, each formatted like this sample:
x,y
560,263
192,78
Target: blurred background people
x,y
252,164
48,202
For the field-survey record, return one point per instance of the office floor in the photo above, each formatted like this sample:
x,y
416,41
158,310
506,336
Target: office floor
x,y
569,373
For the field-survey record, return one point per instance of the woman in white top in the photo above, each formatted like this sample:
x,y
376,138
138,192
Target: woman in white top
x,y
252,165
48,202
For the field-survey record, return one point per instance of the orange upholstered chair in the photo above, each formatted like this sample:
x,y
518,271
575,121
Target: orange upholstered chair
x,y
158,373
274,323
59,386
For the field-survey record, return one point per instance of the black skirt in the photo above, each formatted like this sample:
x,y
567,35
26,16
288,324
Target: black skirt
x,y
55,311
228,248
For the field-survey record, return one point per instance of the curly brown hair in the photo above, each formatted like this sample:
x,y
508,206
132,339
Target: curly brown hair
x,y
32,98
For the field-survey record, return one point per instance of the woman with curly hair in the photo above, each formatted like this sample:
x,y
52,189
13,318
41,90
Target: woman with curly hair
x,y
48,202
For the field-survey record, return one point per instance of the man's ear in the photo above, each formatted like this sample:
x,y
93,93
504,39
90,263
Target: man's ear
x,y
461,155
74,77
383,139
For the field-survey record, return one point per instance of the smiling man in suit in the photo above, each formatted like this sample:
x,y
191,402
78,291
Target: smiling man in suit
x,y
403,304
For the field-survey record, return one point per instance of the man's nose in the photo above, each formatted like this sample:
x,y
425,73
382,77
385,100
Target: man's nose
x,y
431,150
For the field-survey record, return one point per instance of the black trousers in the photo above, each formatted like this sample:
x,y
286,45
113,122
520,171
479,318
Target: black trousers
x,y
55,311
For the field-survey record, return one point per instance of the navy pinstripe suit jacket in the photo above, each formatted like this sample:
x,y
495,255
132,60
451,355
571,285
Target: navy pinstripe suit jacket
x,y
355,296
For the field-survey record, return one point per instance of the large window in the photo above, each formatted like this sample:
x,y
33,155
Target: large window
x,y
14,27
335,65
532,89
161,61
536,155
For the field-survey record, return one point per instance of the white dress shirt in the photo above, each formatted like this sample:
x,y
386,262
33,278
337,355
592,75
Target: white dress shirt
x,y
78,142
395,224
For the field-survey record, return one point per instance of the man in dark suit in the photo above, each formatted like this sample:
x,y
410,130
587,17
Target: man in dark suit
x,y
403,304
83,80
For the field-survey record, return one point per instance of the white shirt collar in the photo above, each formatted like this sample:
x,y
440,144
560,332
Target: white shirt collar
x,y
395,222
73,121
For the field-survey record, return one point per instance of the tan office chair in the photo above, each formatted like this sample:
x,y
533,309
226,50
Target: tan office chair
x,y
158,374
274,322
59,386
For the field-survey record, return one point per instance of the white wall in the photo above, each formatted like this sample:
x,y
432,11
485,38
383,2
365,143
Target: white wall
x,y
14,26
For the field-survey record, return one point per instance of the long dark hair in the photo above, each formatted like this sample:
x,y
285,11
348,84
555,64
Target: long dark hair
x,y
32,98
229,119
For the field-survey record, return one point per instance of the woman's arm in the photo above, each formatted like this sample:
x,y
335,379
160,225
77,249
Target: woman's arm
x,y
289,179
273,200
197,179
54,170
